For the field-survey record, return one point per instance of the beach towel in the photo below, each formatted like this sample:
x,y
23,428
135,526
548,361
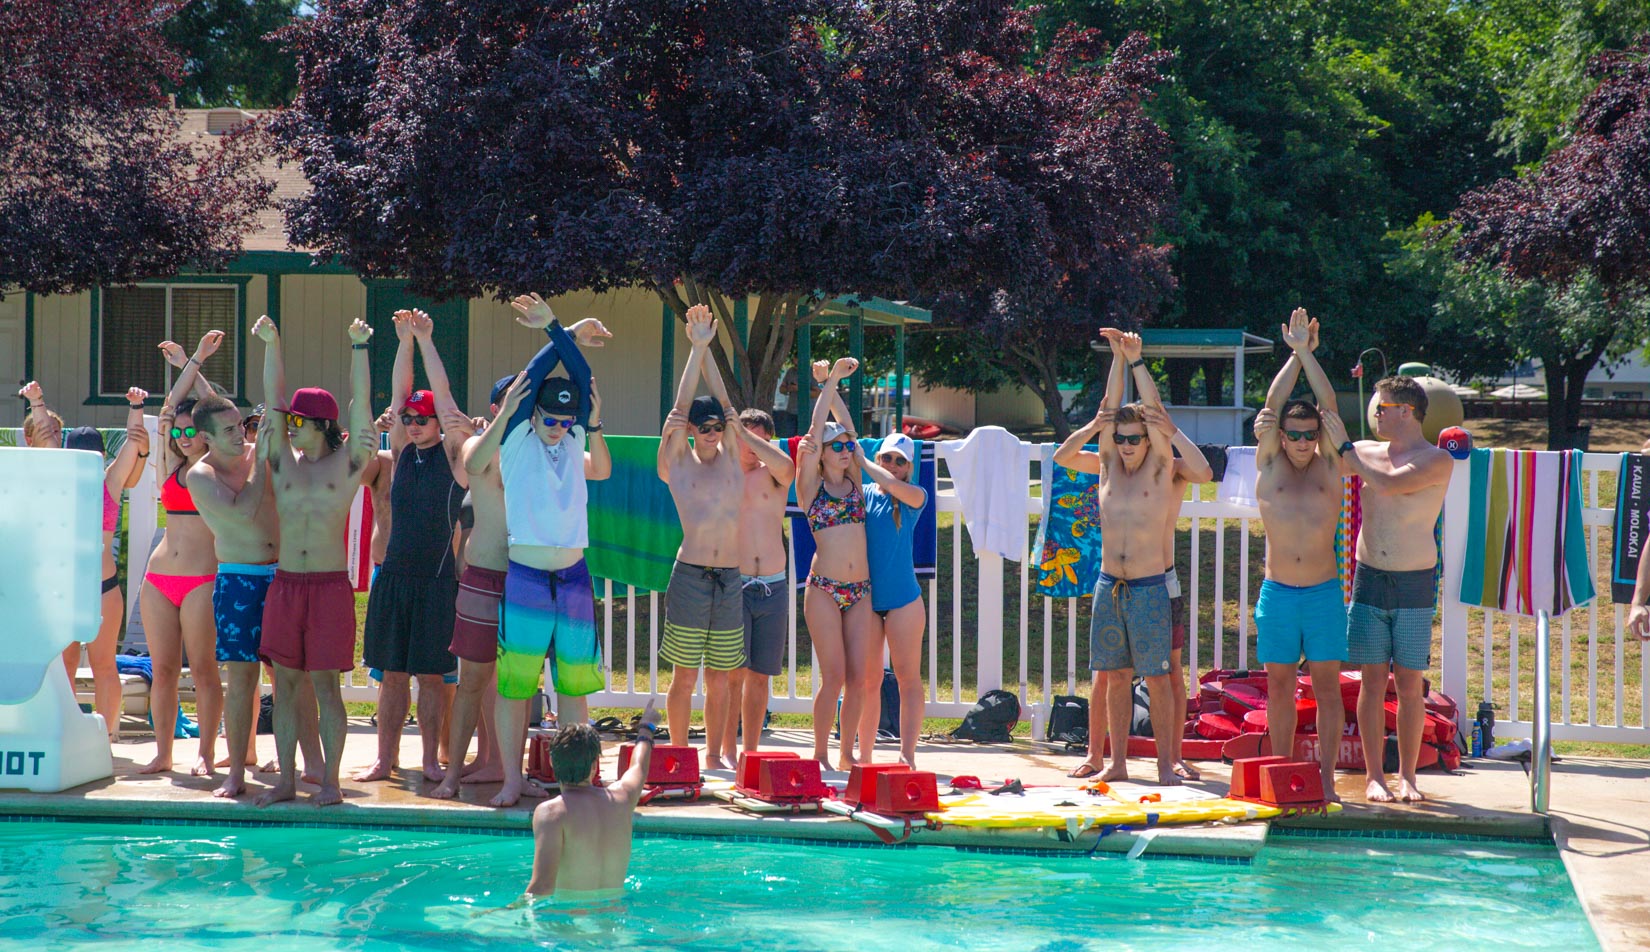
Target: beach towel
x,y
1346,533
634,530
988,474
925,548
1237,484
1068,538
1526,550
1632,524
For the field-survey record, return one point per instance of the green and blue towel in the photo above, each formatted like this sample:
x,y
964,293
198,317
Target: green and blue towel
x,y
634,531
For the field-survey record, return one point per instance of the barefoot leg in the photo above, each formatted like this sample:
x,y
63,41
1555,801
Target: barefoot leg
x,y
394,697
286,735
432,719
330,700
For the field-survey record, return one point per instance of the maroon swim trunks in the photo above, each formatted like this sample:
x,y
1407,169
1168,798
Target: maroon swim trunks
x,y
309,622
475,629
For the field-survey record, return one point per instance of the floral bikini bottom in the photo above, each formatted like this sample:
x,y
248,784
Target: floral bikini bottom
x,y
845,594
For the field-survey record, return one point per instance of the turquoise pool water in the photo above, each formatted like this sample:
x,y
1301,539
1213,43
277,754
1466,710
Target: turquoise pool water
x,y
263,889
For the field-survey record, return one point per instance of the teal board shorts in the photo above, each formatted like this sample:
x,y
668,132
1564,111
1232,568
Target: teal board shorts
x,y
1294,621
1391,617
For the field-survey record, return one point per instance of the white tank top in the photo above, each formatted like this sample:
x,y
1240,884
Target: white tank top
x,y
545,494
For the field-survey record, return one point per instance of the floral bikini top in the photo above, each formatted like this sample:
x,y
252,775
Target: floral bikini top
x,y
827,510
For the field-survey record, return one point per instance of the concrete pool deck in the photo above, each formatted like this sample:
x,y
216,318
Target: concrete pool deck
x,y
1600,816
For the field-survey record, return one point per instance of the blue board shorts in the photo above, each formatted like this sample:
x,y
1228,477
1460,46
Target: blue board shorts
x,y
1292,621
1390,619
238,597
1131,625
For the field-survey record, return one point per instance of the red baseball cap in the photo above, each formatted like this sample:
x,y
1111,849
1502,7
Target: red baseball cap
x,y
314,403
421,403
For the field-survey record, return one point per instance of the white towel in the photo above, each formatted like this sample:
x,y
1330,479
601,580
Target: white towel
x,y
989,474
1238,485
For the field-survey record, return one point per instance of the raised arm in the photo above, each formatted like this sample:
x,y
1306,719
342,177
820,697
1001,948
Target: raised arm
x,y
1432,469
598,461
272,441
127,463
778,462
179,360
1192,466
1071,453
189,373
908,493
701,330
38,410
481,450
363,436
676,425
1322,390
1132,346
631,783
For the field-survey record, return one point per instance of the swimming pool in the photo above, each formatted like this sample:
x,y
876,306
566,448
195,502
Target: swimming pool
x,y
81,885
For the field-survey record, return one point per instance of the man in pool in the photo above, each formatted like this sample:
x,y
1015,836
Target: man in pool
x,y
1389,626
309,612
1299,612
587,825
704,603
1131,628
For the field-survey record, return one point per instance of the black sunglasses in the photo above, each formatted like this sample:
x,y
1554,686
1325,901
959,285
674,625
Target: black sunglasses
x,y
250,424
1295,436
1133,439
187,432
705,428
408,419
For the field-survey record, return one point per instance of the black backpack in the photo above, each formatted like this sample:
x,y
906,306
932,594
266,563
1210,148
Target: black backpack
x,y
888,724
1068,720
991,719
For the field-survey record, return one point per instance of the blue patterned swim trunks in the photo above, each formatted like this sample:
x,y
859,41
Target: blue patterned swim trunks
x,y
1131,626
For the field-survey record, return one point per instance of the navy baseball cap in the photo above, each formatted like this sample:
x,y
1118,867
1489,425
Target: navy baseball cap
x,y
499,388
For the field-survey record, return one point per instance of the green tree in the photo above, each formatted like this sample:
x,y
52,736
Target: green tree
x,y
230,57
1485,322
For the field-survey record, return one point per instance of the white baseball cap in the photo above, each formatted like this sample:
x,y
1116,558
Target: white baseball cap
x,y
899,444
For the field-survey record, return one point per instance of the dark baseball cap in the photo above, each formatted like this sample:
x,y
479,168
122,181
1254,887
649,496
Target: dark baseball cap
x,y
83,438
499,388
705,409
559,395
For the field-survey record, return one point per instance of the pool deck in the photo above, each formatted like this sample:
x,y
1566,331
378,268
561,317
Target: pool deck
x,y
1600,816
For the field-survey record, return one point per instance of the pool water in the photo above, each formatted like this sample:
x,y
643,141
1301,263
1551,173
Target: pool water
x,y
66,886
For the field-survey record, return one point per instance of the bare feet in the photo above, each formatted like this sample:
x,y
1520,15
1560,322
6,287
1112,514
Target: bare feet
x,y
1166,776
486,773
516,788
327,796
380,770
232,787
910,761
433,772
312,776
251,761
1116,772
1186,771
1409,792
447,788
714,762
158,765
1376,791
202,768
274,766
281,792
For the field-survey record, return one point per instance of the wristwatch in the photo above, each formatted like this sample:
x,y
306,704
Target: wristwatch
x,y
134,406
359,346
595,427
1344,448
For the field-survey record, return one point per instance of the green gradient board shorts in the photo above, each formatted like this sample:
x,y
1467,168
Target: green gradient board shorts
x,y
548,614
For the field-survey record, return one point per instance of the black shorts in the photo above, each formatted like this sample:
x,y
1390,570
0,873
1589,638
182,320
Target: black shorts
x,y
767,622
410,624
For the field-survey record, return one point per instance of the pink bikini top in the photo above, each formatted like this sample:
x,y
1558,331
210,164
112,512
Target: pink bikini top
x,y
175,497
111,511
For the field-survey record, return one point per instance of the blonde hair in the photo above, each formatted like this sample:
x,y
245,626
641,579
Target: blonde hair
x,y
30,427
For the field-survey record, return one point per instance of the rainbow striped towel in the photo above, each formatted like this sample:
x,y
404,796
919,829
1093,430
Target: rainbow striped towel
x,y
1526,549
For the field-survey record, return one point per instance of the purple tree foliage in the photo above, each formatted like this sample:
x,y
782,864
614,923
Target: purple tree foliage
x,y
782,150
1586,209
96,186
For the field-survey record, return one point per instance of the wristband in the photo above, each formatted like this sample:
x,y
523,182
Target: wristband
x,y
1137,362
191,360
134,406
594,428
143,455
1344,448
648,736
358,346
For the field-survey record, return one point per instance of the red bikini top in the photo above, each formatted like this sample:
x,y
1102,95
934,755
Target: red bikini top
x,y
175,497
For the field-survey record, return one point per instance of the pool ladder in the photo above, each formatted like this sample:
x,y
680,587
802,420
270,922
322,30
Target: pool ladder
x,y
1541,740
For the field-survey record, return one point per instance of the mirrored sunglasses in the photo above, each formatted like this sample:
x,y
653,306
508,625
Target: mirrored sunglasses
x,y
187,432
564,423
840,446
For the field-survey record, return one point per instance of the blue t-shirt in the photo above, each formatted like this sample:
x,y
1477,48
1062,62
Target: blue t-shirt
x,y
893,577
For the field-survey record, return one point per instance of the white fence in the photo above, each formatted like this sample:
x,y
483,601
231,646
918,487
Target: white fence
x,y
989,628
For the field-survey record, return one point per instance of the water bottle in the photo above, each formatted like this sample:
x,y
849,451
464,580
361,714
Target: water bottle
x,y
1477,739
1483,728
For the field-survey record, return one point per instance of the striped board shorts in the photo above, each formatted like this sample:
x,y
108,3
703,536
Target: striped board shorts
x,y
475,622
704,618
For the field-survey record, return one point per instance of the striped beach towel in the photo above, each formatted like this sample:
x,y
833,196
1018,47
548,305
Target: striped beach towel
x,y
1632,525
1526,550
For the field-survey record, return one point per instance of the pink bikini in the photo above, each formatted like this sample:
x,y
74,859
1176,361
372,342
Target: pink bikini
x,y
176,500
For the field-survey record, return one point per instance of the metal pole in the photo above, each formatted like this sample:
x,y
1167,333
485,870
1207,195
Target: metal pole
x,y
1541,752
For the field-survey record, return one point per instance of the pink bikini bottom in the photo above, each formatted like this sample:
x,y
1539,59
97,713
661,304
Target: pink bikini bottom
x,y
177,587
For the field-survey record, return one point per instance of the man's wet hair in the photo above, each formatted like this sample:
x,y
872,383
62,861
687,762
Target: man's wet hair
x,y
207,411
1405,390
1300,410
753,418
576,748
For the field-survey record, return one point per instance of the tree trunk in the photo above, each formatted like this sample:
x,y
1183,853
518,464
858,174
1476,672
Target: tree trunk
x,y
1035,366
750,372
1180,380
1214,380
1559,422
